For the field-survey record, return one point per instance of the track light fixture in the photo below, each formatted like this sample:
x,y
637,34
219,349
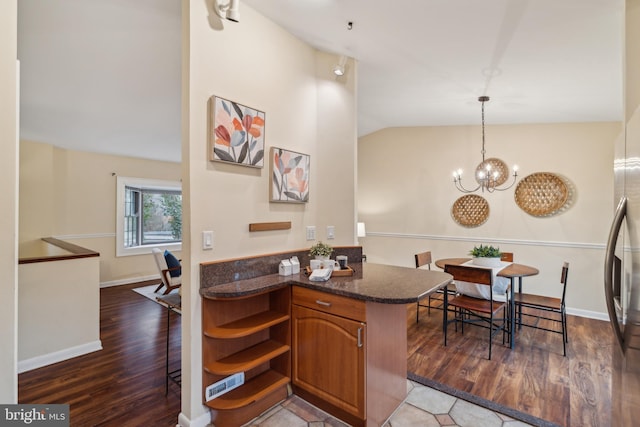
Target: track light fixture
x,y
229,10
339,68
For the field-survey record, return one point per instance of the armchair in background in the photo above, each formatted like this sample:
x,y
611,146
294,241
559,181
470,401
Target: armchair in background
x,y
169,268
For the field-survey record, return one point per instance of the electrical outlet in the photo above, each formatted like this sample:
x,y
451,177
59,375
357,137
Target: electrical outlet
x,y
331,232
311,232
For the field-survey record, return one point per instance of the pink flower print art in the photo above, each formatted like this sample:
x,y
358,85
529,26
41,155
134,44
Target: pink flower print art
x,y
289,176
237,133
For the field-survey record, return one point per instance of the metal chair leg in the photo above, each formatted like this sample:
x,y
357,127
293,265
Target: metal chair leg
x,y
166,370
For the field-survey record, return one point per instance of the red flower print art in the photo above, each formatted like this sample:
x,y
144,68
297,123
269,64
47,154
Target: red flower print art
x,y
237,133
289,176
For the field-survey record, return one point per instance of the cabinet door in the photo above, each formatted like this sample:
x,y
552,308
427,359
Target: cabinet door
x,y
329,358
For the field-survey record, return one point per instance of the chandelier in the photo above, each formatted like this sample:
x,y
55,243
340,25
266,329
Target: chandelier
x,y
491,173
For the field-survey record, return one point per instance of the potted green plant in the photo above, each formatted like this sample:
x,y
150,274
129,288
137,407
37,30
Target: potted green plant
x,y
321,250
486,256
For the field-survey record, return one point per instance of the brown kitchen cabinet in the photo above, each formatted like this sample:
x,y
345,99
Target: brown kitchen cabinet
x,y
250,334
348,355
329,358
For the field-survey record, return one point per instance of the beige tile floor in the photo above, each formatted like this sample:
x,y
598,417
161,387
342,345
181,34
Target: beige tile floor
x,y
424,406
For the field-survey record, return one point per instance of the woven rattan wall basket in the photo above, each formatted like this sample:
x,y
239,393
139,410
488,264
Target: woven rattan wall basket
x,y
470,210
498,166
541,194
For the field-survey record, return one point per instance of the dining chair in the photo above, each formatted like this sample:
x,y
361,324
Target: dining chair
x,y
478,311
545,304
424,259
506,256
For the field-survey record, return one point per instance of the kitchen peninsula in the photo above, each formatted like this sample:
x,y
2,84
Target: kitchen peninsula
x,y
341,344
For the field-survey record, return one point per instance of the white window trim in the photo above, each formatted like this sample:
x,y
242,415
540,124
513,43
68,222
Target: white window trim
x,y
121,183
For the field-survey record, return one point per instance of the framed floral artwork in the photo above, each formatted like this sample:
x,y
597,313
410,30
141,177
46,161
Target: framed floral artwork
x,y
289,176
236,133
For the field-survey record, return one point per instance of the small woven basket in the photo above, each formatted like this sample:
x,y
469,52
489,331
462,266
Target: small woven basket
x,y
470,210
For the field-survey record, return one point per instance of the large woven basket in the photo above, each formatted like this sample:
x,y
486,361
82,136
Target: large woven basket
x,y
541,194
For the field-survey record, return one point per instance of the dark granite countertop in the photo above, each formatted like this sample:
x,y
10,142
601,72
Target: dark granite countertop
x,y
372,282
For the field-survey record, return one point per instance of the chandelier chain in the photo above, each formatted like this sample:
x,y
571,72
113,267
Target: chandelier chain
x,y
483,100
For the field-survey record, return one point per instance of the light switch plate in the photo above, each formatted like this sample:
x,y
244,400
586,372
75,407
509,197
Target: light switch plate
x,y
207,240
311,232
331,232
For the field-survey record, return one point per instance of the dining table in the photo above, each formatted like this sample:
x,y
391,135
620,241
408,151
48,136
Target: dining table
x,y
511,271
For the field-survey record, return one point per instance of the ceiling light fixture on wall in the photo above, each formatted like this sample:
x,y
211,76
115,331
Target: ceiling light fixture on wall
x,y
229,10
490,173
339,68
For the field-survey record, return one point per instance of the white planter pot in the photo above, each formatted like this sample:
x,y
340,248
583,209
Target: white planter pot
x,y
487,262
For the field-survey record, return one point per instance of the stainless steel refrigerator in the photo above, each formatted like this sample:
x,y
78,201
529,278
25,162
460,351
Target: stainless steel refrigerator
x,y
622,259
622,291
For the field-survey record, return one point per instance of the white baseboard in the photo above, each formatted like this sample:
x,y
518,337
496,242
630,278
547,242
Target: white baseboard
x,y
58,356
202,421
588,314
129,281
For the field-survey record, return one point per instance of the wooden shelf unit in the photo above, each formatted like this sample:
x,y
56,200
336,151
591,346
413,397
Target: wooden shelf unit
x,y
249,334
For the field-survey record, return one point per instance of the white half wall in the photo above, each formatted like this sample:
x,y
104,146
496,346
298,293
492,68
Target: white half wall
x,y
58,310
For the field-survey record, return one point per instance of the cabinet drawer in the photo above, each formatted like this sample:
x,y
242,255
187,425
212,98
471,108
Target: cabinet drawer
x,y
330,303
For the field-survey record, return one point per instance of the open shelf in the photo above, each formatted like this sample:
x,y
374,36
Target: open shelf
x,y
247,359
249,334
250,392
246,326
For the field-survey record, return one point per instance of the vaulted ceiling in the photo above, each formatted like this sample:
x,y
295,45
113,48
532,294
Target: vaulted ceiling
x,y
104,75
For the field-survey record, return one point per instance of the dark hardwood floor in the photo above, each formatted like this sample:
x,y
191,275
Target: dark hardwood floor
x,y
533,378
123,384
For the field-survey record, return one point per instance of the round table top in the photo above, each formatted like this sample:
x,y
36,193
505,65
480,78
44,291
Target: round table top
x,y
512,270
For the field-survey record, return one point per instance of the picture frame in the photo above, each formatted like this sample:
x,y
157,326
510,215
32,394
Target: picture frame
x,y
290,173
236,133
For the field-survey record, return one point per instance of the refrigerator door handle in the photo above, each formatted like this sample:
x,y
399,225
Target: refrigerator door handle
x,y
618,219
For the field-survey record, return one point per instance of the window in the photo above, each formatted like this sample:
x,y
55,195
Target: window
x,y
149,214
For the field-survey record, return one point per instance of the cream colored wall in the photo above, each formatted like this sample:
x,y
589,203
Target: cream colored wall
x,y
405,194
632,58
37,191
309,110
72,195
8,200
58,311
